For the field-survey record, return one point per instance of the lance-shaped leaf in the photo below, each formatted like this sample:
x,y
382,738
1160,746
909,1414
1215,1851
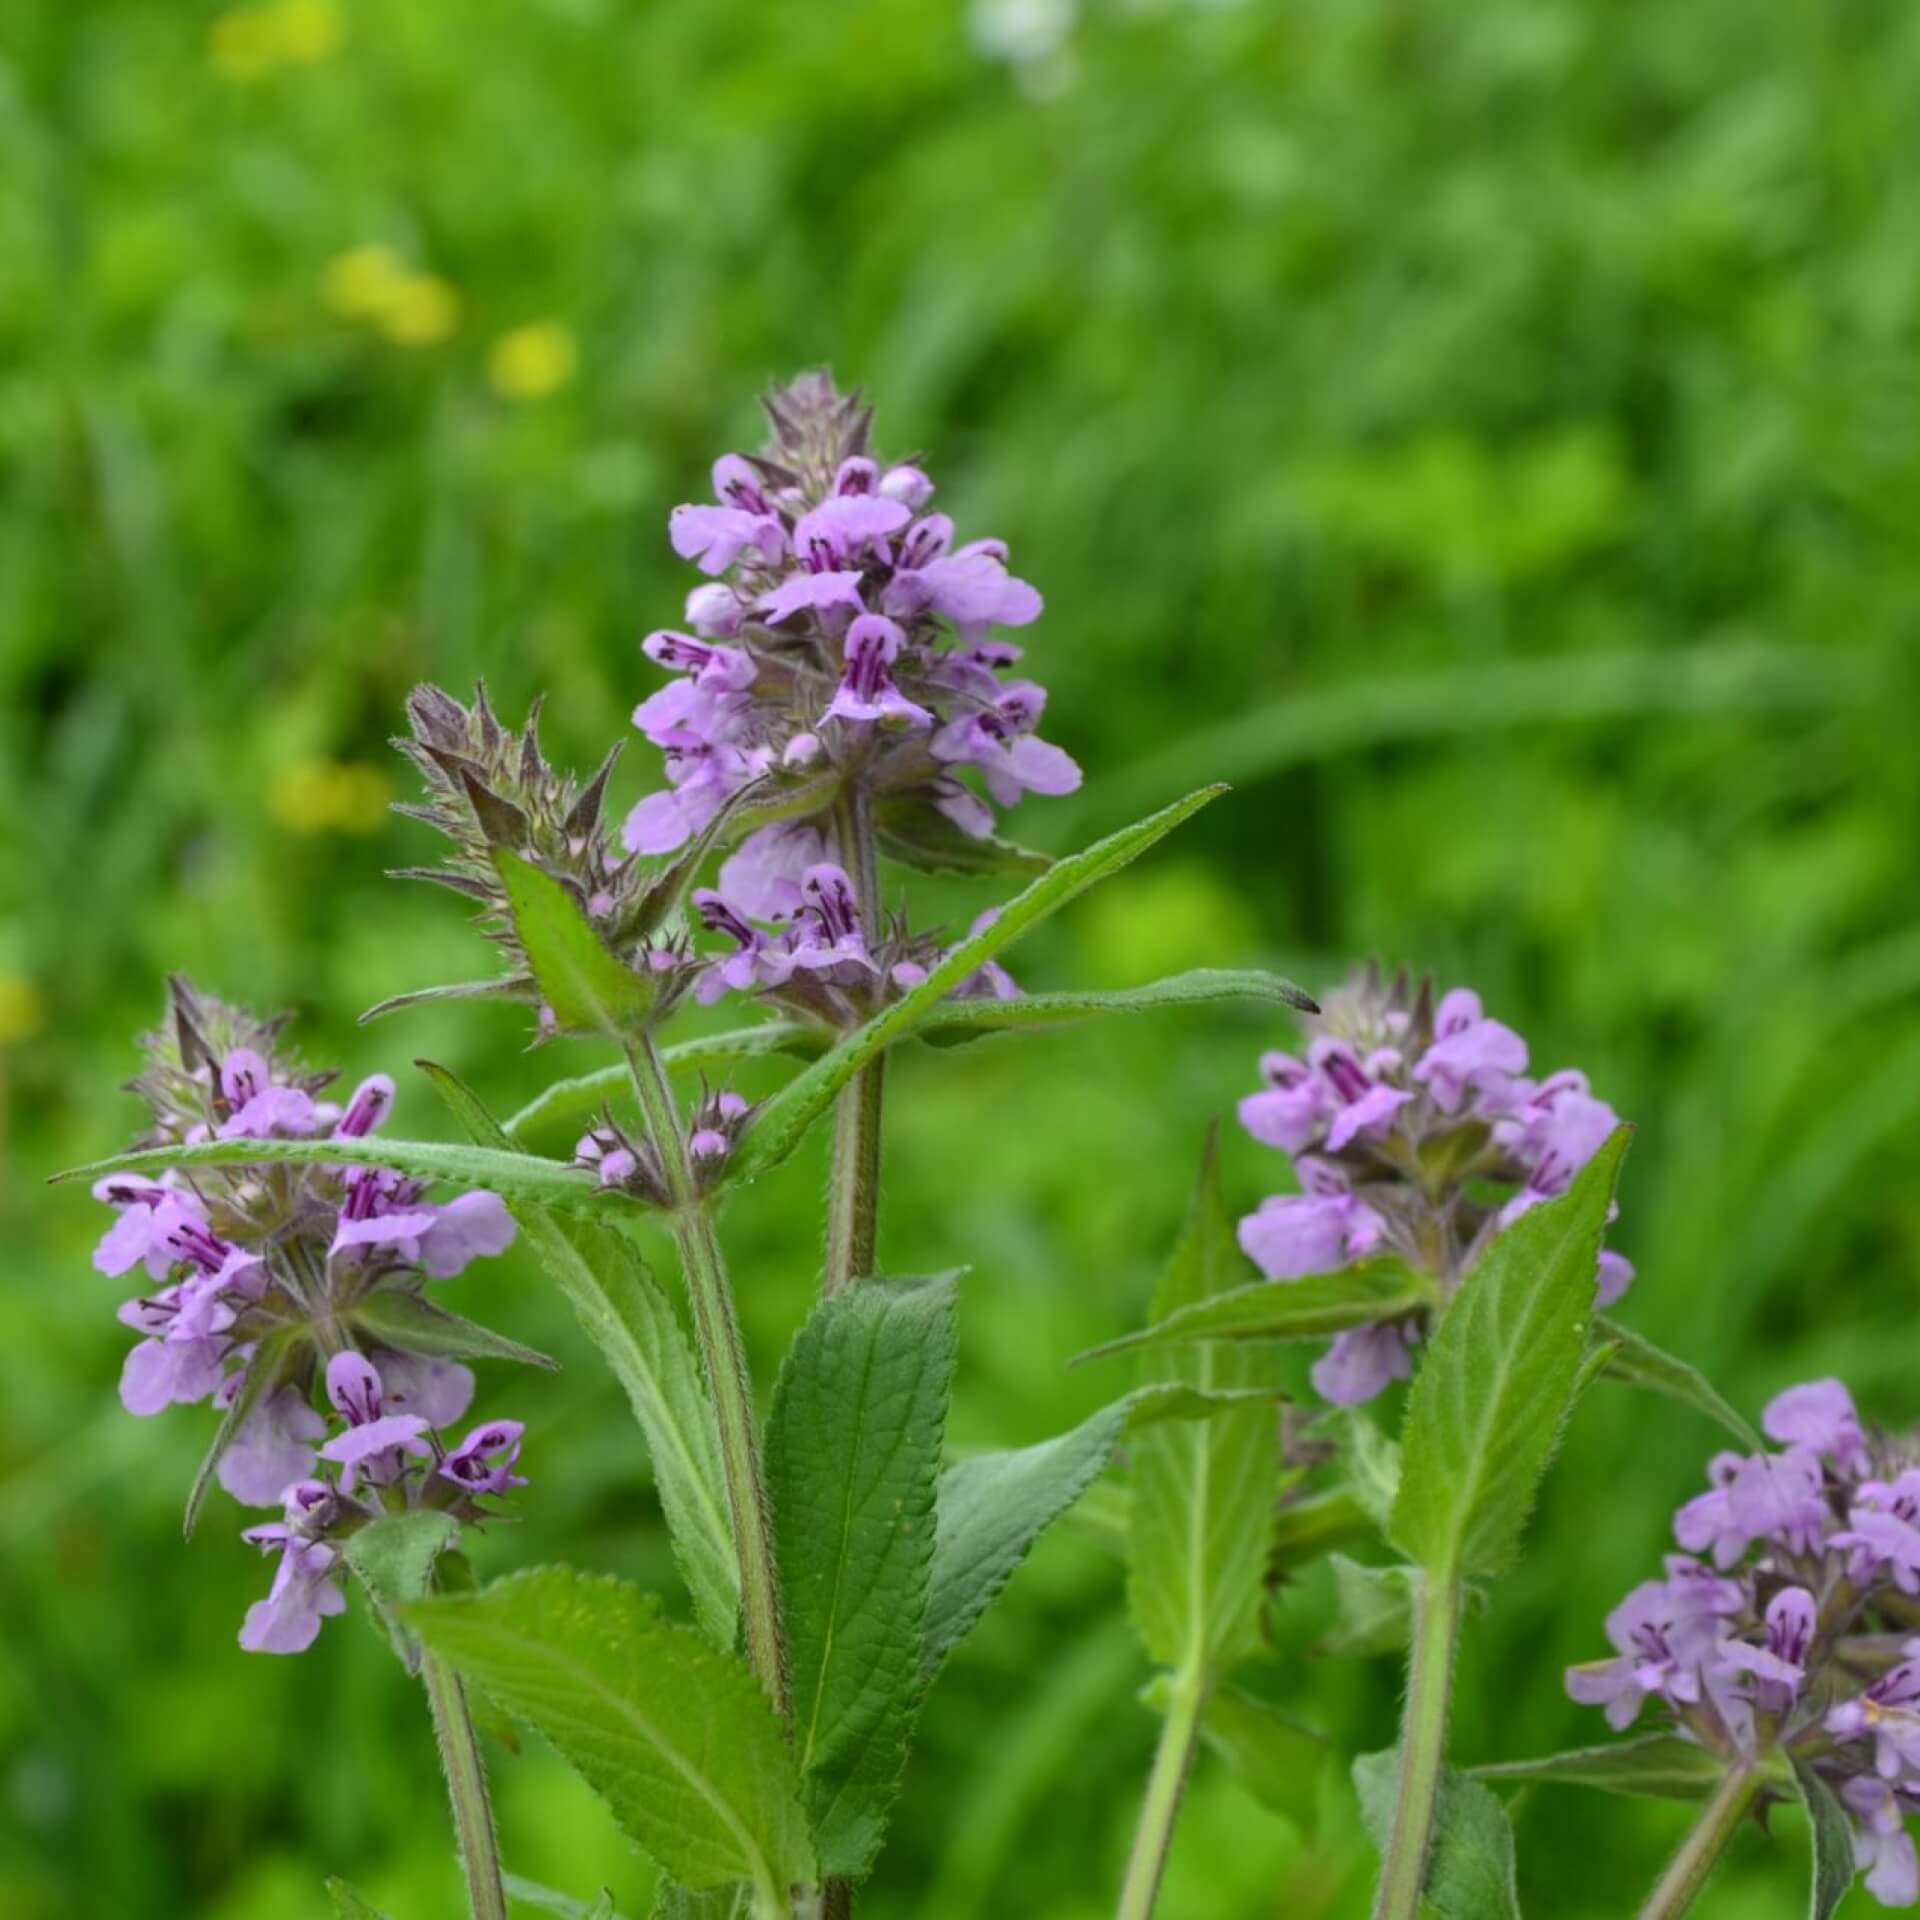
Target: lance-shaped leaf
x,y
589,988
276,1356
631,1320
781,1123
1833,1856
1203,1491
577,1099
1660,1766
994,1506
513,1176
1491,1397
1470,1872
674,1734
1310,1308
407,1321
516,987
1637,1362
955,1022
853,1456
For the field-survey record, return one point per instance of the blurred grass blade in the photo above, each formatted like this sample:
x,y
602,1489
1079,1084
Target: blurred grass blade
x,y
1637,1362
1659,1766
779,1126
1269,1310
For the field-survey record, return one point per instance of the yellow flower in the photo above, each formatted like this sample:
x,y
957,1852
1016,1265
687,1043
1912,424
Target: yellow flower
x,y
533,361
421,311
328,796
22,1011
360,282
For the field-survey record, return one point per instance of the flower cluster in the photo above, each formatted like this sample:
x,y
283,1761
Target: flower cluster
x,y
260,1276
1413,1129
843,643
1797,1638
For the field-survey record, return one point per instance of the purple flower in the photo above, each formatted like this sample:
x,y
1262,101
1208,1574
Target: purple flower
x,y
1777,1497
972,588
483,1462
988,981
908,485
1000,741
376,1443
180,1361
866,691
260,1108
1881,1529
826,936
371,1103
151,1220
704,776
1363,1362
273,1448
438,1390
762,875
843,528
708,705
1819,1414
472,1227
1296,1234
1360,1103
1882,1848
716,537
1292,1109
1780,1664
1663,1635
1889,1710
306,1584
1470,1053
832,596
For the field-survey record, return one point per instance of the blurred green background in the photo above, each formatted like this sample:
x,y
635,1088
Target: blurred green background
x,y
1488,435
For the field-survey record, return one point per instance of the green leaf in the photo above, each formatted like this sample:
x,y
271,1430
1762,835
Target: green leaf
x,y
1308,1530
529,1893
512,986
394,1554
993,1506
349,1905
1374,1608
853,1457
1660,1766
589,988
955,1022
1305,1309
1278,1759
671,1902
275,1356
673,1733
628,1317
1637,1362
1203,1491
781,1123
583,1096
399,1318
1372,1460
513,1176
1491,1397
1470,1872
1833,1865
920,835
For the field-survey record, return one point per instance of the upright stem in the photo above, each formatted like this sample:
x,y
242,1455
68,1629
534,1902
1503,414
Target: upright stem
x,y
1151,1838
1423,1748
853,1186
718,1330
1689,1869
466,1788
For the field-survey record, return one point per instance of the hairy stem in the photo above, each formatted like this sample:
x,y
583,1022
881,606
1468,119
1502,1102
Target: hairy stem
x,y
717,1328
853,1187
1151,1838
466,1788
1423,1748
1689,1869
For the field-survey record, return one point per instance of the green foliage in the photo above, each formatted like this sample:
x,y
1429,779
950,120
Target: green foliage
x,y
1657,1766
1470,1870
275,1354
1275,1757
674,1733
1203,1490
395,1554
396,1317
588,987
958,1021
349,1905
781,1123
1500,1373
1636,1362
1373,1608
1311,1308
1832,1831
853,1458
529,1893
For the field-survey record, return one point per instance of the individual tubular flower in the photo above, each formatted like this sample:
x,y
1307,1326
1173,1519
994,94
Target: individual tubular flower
x,y
255,1274
858,655
1412,1129
1796,1641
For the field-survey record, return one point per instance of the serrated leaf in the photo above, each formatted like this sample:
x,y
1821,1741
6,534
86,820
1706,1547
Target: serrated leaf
x,y
781,1123
513,1176
1833,1858
1203,1492
1637,1362
1501,1370
920,835
1278,1759
1274,1310
630,1319
1659,1766
673,1733
274,1354
394,1555
853,1456
399,1318
589,988
350,1905
1470,1871
1373,1608
993,1506
583,1096
956,1022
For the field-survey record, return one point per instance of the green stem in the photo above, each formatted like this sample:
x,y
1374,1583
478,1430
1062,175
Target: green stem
x,y
853,1183
717,1328
1423,1748
466,1788
1700,1852
1151,1838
